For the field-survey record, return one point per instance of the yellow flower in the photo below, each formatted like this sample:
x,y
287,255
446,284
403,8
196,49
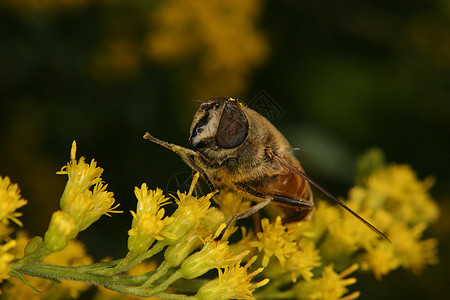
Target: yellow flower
x,y
148,220
221,34
10,201
190,213
324,215
330,286
274,240
176,253
5,259
345,236
412,252
149,200
61,230
146,229
81,175
406,197
380,258
116,58
5,231
84,205
214,254
303,261
22,240
234,282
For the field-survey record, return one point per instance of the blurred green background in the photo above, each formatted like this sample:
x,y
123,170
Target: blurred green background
x,y
345,75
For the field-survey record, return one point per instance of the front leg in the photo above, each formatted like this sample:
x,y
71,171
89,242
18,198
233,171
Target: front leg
x,y
190,157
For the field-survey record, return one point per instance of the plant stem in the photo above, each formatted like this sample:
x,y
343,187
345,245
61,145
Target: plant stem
x,y
32,258
115,283
162,269
138,291
132,259
68,273
165,284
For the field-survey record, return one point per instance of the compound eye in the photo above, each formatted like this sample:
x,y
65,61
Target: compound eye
x,y
233,127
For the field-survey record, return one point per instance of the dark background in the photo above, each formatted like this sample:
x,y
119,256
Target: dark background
x,y
344,76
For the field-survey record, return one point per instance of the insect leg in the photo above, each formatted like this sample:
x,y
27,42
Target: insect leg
x,y
267,198
298,209
255,208
189,156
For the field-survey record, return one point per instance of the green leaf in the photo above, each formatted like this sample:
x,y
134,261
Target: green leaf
x,y
19,276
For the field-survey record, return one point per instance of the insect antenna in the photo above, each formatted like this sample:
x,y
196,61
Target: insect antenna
x,y
331,196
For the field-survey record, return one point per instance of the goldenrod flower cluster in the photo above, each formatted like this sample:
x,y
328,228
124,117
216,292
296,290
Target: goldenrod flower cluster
x,y
80,206
315,259
10,201
222,36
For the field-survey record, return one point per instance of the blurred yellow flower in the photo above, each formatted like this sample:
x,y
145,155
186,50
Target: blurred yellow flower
x,y
10,201
412,252
301,262
117,57
6,259
380,258
234,282
220,35
330,286
397,188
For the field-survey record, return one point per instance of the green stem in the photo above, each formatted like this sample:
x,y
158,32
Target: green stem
x,y
162,270
100,265
32,258
115,283
165,284
68,273
132,259
138,291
